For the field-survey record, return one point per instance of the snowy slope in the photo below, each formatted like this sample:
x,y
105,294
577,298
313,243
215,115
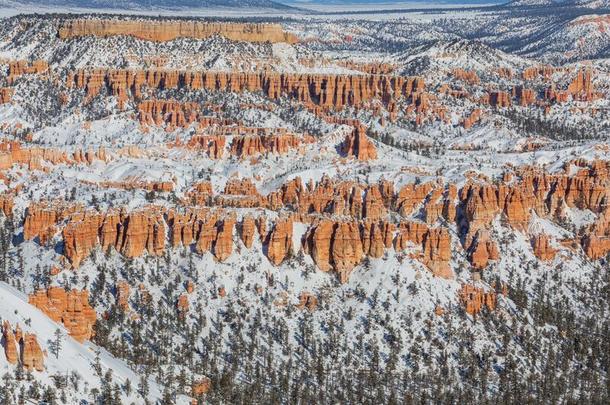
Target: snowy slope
x,y
73,357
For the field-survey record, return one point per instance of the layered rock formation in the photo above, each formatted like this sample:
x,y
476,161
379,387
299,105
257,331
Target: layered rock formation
x,y
500,99
349,220
169,30
341,246
246,146
71,308
325,90
482,250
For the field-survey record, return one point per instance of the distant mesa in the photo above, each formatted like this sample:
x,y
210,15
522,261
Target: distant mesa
x,y
161,31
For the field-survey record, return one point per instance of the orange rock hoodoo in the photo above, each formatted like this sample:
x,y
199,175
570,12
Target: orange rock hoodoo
x,y
482,250
279,245
10,347
70,308
6,94
169,30
468,76
542,247
437,252
358,145
32,356
41,220
22,348
341,246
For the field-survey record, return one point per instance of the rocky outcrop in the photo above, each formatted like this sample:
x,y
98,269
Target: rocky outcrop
x,y
346,249
472,119
475,299
307,300
7,203
71,308
246,231
158,186
41,219
144,231
410,196
22,348
122,295
357,144
23,67
182,305
80,237
581,88
596,247
341,245
468,76
533,73
247,146
169,30
409,231
201,387
223,247
213,145
172,113
131,234
6,95
525,96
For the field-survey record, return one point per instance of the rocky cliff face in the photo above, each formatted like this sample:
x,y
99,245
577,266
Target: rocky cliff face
x,y
170,30
70,308
131,234
325,90
348,221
